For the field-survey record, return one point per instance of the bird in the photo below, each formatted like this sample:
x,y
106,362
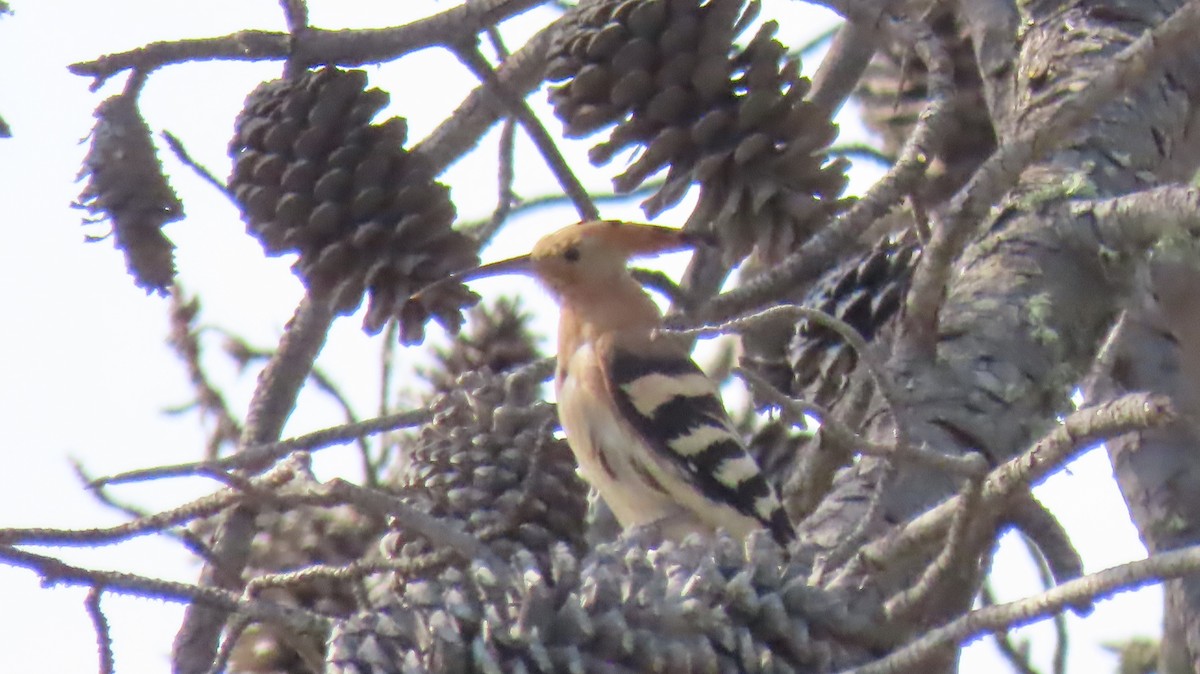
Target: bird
x,y
646,425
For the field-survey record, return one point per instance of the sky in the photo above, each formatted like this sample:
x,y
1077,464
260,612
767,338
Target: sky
x,y
85,374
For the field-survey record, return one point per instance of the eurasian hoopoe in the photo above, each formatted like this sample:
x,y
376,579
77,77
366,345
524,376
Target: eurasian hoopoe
x,y
647,426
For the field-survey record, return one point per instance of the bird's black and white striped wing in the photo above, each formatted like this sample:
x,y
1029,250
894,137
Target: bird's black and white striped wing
x,y
677,409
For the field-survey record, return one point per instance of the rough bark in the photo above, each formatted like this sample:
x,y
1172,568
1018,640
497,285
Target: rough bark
x,y
1034,295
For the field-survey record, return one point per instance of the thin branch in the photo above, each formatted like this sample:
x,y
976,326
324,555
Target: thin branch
x,y
879,375
335,47
233,633
54,572
439,532
1042,530
1016,654
960,548
860,151
470,56
204,506
506,199
967,465
657,280
1048,580
461,131
269,453
1131,576
527,204
244,354
359,568
1080,430
849,53
188,538
100,624
185,342
273,401
175,145
295,13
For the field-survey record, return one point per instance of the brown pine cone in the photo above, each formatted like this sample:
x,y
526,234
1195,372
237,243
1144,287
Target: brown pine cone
x,y
126,185
314,177
667,74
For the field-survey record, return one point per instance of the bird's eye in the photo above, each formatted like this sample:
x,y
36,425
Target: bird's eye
x,y
571,254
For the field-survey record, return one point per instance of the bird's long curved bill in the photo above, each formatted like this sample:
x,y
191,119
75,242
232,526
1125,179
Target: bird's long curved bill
x,y
513,265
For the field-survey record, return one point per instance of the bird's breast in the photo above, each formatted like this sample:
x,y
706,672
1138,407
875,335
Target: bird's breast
x,y
609,453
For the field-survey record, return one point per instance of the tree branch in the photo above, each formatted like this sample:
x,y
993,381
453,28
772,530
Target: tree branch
x,y
312,45
1002,617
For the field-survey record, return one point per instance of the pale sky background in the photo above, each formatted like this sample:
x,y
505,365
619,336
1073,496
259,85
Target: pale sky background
x,y
85,372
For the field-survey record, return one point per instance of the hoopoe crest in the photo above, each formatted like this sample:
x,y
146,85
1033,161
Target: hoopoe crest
x,y
646,425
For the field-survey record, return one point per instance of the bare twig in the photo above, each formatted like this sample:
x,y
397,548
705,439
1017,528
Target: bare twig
x,y
1106,358
506,199
474,60
188,538
1042,530
440,533
879,375
1017,654
346,572
527,204
237,627
462,130
1157,568
273,401
185,342
175,145
967,465
202,507
1081,429
54,571
657,280
337,47
100,624
860,151
269,453
851,50
325,383
295,13
1048,580
960,548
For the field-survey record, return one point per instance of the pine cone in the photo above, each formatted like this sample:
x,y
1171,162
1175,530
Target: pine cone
x,y
313,176
666,73
867,293
497,339
490,461
126,185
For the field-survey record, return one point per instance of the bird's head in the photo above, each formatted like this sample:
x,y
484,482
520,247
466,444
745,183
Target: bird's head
x,y
587,256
